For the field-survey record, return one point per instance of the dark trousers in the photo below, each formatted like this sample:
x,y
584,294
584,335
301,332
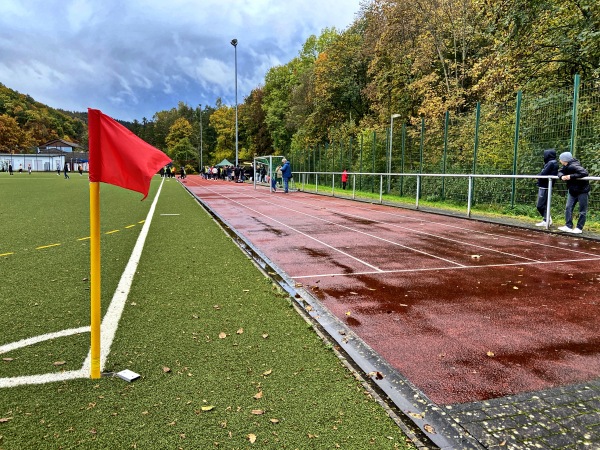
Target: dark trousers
x,y
542,202
572,200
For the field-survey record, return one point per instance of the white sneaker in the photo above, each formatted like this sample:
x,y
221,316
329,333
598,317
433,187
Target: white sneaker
x,y
541,224
576,231
565,228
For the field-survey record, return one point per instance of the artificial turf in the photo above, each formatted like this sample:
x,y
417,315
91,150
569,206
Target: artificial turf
x,y
225,360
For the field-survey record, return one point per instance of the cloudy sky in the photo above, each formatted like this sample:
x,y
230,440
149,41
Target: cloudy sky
x,y
132,58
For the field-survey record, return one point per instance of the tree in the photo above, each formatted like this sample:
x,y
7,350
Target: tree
x,y
12,137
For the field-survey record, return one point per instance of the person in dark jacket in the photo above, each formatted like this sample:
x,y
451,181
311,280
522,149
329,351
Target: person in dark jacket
x,y
578,191
286,174
550,168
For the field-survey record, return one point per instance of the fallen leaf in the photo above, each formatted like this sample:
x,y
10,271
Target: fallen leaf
x,y
258,412
195,316
222,335
166,369
216,307
348,313
515,287
429,428
265,336
8,359
490,354
5,419
252,438
298,285
59,363
377,375
417,415
353,293
475,256
258,396
371,289
274,420
207,408
308,308
268,372
240,331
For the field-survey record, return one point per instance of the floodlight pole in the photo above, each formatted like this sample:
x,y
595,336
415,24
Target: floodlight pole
x,y
234,43
201,164
393,116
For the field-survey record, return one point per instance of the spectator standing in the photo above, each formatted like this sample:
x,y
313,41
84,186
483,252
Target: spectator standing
x,y
66,171
10,169
578,191
29,169
550,168
344,179
286,174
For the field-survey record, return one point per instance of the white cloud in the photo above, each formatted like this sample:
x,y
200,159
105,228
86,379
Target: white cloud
x,y
136,57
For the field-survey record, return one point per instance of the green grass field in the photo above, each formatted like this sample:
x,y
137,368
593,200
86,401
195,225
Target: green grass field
x,y
224,358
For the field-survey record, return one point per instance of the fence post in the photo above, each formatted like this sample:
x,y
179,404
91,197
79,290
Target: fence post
x,y
353,187
418,191
360,165
446,120
549,204
373,149
332,184
402,157
475,144
316,183
469,194
421,144
574,115
516,147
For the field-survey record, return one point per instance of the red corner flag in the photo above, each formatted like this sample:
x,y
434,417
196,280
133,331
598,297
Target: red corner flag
x,y
119,157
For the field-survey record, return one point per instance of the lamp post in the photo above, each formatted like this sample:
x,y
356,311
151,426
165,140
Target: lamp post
x,y
394,116
201,163
234,43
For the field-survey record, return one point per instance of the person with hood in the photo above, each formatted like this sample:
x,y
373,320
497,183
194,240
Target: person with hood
x,y
286,174
550,168
578,191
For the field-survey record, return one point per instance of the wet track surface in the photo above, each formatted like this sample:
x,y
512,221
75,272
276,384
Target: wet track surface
x,y
466,311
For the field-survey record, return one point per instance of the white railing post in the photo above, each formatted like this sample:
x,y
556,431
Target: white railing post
x,y
418,191
353,187
548,218
380,188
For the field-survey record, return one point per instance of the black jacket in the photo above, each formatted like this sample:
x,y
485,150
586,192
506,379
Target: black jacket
x,y
576,170
550,167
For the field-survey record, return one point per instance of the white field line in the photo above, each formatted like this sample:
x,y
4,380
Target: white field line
x,y
348,228
297,231
41,338
110,322
430,269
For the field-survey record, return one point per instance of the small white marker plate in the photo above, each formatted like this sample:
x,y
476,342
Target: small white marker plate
x,y
128,375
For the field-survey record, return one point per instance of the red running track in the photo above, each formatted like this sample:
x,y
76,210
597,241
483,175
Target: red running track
x,y
465,310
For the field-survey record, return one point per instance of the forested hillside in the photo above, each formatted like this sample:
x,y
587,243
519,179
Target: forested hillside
x,y
25,123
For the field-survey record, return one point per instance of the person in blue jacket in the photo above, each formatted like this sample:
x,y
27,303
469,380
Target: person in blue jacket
x,y
550,168
578,191
286,173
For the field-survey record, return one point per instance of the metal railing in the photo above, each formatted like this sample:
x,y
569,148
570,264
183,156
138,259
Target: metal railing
x,y
305,178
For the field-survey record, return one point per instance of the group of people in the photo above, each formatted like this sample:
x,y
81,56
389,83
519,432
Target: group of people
x,y
283,174
571,171
228,173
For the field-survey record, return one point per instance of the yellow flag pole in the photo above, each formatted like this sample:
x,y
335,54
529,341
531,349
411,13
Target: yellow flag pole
x,y
95,278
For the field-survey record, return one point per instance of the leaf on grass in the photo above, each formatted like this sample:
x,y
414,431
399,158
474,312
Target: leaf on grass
x,y
166,369
240,331
274,420
207,408
429,428
59,363
377,375
252,438
490,354
195,316
259,395
5,419
8,359
222,335
312,436
246,290
265,336
216,307
258,412
268,372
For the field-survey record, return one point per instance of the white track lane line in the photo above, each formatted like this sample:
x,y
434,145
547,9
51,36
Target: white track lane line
x,y
350,229
377,269
526,241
